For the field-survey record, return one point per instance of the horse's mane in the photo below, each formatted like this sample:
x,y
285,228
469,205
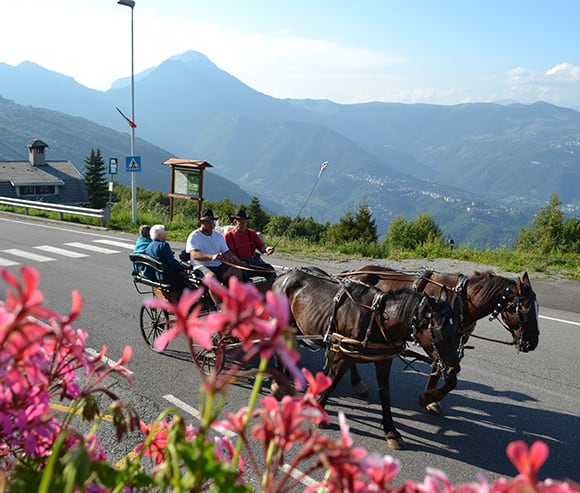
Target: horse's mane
x,y
488,284
317,272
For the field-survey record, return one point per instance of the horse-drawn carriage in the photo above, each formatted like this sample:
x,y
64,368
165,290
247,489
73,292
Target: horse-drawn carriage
x,y
355,321
153,321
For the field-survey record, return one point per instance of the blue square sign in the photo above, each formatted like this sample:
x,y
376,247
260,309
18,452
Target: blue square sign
x,y
133,164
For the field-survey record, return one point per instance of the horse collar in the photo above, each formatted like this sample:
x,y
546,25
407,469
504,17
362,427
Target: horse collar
x,y
460,286
421,275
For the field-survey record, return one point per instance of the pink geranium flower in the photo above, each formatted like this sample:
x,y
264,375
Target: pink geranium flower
x,y
528,461
259,325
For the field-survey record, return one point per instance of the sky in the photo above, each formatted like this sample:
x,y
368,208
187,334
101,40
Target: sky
x,y
347,51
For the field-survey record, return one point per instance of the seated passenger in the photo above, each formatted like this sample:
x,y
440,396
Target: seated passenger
x,y
175,272
143,240
141,245
207,248
245,243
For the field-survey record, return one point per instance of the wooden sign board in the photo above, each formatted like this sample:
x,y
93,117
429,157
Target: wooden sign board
x,y
186,181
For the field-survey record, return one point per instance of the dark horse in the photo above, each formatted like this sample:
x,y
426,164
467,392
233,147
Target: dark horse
x,y
359,323
474,297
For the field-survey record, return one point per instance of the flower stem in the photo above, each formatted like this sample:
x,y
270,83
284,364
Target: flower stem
x,y
251,404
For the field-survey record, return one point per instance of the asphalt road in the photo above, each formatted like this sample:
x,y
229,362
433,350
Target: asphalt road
x,y
501,395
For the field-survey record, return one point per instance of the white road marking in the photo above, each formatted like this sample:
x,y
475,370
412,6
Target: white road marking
x,y
61,251
92,248
28,255
128,246
193,412
560,320
4,262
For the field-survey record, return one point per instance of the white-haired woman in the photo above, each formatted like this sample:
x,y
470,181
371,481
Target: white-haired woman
x,y
159,249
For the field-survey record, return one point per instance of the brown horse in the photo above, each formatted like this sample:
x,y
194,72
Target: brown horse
x,y
473,298
356,322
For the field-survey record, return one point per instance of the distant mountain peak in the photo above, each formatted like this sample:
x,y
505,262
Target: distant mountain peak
x,y
191,57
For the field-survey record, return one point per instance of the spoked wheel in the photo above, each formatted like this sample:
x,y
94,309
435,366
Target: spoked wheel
x,y
153,323
216,358
206,360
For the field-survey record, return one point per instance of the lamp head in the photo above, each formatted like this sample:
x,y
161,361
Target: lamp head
x,y
128,3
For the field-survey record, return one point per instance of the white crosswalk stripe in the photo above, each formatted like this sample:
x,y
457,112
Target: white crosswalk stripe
x,y
128,246
4,262
27,255
61,251
92,248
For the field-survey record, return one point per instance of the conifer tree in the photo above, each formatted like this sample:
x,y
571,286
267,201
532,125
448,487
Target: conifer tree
x,y
95,180
259,217
366,227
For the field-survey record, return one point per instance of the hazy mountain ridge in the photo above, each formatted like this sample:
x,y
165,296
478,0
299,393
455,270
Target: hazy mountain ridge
x,y
457,163
72,138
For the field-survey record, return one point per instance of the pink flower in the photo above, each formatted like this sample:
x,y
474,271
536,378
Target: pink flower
x,y
185,320
234,421
528,462
155,443
260,327
316,385
380,470
225,450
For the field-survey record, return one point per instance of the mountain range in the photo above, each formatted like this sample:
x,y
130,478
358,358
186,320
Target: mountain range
x,y
481,170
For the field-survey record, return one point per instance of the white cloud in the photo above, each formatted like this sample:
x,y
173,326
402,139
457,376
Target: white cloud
x,y
564,72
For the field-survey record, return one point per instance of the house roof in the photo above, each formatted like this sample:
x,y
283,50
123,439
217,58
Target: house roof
x,y
57,173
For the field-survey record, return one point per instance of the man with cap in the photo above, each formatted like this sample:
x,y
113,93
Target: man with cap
x,y
208,249
244,242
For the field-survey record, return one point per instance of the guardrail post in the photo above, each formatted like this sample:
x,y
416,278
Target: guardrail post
x,y
106,216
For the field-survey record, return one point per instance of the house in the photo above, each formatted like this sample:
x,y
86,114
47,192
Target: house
x,y
58,182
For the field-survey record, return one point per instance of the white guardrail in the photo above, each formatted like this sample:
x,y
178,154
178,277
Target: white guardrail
x,y
103,214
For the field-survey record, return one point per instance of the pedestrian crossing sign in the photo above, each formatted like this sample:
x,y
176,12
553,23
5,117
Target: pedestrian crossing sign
x,y
133,163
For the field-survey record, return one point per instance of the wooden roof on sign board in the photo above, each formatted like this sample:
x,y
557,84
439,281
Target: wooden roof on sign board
x,y
187,163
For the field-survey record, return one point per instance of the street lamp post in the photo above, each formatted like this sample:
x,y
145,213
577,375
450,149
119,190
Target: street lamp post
x,y
131,3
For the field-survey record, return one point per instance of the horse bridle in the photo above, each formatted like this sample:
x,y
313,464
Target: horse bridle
x,y
515,305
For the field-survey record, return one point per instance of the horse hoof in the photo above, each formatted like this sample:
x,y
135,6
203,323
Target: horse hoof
x,y
276,391
395,443
361,389
434,408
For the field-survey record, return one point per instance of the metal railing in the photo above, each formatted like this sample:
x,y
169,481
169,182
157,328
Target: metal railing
x,y
103,214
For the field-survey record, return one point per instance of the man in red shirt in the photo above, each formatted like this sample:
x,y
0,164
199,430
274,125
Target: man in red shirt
x,y
245,243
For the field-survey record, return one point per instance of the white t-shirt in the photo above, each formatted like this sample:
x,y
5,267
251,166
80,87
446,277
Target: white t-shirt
x,y
206,244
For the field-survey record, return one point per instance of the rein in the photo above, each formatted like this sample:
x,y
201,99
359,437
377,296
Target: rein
x,y
395,275
252,268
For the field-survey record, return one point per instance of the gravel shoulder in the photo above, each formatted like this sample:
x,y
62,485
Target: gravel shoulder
x,y
552,291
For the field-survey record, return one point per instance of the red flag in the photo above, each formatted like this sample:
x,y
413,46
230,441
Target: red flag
x,y
131,123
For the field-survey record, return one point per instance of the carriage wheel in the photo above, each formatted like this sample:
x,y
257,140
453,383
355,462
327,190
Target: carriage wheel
x,y
207,360
153,323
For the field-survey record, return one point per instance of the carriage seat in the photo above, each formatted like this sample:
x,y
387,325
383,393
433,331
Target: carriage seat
x,y
146,269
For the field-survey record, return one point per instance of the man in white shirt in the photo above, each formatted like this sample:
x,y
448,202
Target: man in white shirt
x,y
207,249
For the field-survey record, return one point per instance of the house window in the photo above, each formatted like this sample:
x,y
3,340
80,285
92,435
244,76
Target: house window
x,y
37,190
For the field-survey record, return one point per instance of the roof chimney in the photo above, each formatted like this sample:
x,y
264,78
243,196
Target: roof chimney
x,y
36,155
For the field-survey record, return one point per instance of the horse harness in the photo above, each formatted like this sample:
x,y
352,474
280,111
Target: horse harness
x,y
372,351
524,315
503,305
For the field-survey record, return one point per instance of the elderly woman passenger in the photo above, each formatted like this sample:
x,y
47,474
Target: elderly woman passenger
x,y
159,249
